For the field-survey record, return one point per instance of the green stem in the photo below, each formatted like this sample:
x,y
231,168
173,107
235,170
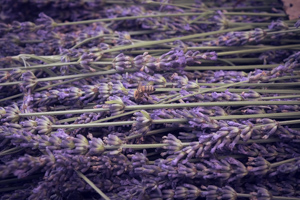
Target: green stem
x,y
46,59
161,106
196,48
124,18
255,14
256,84
87,40
183,120
92,185
281,97
207,90
261,141
42,88
258,50
285,77
282,162
149,43
162,130
11,151
65,77
284,31
284,198
41,66
236,60
241,67
135,146
267,115
230,90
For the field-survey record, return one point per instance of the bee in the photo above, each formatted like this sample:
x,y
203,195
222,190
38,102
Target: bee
x,y
143,91
173,76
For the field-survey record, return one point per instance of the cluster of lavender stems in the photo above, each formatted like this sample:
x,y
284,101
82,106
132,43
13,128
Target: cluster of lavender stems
x,y
217,118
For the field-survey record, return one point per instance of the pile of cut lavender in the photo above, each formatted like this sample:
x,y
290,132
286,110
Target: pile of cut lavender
x,y
149,99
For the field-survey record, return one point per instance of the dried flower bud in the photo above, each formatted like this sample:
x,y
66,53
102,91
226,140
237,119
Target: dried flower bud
x,y
11,113
258,165
228,193
144,121
29,80
44,125
173,144
122,62
116,105
81,145
113,140
187,191
96,147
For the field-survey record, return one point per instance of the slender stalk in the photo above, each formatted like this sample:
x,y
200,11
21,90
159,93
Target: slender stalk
x,y
41,66
281,97
258,50
282,162
257,84
284,31
255,14
92,185
269,140
183,120
135,146
284,198
162,130
207,90
124,18
11,151
149,43
66,77
160,106
42,88
241,67
236,60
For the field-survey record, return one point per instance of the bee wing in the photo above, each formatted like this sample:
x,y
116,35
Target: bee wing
x,y
139,88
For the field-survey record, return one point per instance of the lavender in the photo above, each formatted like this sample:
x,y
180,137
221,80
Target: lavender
x,y
221,121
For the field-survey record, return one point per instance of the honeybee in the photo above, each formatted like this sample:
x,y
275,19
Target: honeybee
x,y
173,76
143,91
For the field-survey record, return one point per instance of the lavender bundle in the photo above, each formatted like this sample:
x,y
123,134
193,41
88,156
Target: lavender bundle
x,y
149,100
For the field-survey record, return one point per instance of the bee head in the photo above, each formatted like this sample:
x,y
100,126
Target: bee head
x,y
136,94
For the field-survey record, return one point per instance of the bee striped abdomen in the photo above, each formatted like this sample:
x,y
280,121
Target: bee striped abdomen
x,y
143,91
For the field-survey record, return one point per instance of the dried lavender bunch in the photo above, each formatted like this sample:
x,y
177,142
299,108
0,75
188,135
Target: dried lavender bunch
x,y
233,143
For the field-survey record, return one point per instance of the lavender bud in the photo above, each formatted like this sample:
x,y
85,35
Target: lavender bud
x,y
228,193
44,125
173,144
113,140
96,147
116,105
46,22
144,121
11,113
187,191
29,80
81,145
174,59
118,88
139,159
261,194
122,62
258,165
250,94
168,194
